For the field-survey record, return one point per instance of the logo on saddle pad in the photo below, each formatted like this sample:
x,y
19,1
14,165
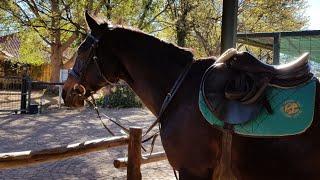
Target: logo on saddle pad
x,y
291,108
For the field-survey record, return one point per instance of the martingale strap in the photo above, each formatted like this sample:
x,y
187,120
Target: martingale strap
x,y
170,96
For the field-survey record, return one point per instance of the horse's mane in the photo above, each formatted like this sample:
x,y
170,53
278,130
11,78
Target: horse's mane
x,y
181,55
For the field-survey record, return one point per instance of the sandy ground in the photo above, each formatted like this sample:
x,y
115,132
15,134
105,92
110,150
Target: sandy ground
x,y
63,126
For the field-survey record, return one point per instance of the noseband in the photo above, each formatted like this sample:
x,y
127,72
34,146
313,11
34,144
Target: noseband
x,y
80,76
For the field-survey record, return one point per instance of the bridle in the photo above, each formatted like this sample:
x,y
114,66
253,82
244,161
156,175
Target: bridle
x,y
80,76
81,91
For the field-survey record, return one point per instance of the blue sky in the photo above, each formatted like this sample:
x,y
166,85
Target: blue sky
x,y
314,12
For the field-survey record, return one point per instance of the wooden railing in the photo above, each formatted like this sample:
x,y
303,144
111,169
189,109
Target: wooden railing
x,y
132,162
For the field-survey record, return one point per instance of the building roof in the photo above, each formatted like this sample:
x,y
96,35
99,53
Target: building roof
x,y
5,55
9,46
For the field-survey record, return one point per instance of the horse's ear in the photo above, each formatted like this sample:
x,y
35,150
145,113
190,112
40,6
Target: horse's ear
x,y
92,23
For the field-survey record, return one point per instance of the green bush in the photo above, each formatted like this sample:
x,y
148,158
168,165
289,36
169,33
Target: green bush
x,y
122,97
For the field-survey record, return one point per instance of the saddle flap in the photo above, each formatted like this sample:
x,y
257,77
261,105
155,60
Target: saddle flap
x,y
223,89
293,113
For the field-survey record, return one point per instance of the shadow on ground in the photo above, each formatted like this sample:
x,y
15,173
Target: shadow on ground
x,y
65,126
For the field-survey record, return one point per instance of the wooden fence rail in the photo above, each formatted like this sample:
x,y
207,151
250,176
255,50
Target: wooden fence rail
x,y
133,162
25,158
146,158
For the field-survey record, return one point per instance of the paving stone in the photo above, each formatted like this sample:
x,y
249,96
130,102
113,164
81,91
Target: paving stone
x,y
63,126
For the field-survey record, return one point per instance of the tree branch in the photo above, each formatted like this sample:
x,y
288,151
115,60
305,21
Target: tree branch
x,y
144,14
70,40
33,7
69,63
26,22
157,15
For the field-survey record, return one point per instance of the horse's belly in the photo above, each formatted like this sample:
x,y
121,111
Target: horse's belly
x,y
291,157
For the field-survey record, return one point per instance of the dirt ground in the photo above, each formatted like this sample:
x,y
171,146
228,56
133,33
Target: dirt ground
x,y
57,127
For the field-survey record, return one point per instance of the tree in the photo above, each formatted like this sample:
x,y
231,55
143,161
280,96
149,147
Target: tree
x,y
271,15
29,54
50,21
200,22
60,26
60,23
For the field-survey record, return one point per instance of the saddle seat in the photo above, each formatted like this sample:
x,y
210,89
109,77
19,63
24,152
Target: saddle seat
x,y
234,86
286,75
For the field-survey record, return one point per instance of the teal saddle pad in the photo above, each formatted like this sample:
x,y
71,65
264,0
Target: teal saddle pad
x,y
293,111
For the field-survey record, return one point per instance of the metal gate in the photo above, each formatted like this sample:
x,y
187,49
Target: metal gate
x,y
13,94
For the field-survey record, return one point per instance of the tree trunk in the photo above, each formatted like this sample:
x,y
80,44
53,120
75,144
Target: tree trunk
x,y
144,14
56,47
182,26
181,32
56,62
109,9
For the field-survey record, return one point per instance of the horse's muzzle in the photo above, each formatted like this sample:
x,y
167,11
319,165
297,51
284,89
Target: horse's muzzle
x,y
74,97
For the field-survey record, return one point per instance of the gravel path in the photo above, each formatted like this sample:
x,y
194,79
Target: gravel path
x,y
63,126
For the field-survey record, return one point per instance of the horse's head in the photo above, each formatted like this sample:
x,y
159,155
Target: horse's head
x,y
95,66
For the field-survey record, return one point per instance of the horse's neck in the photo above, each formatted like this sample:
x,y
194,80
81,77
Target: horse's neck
x,y
151,81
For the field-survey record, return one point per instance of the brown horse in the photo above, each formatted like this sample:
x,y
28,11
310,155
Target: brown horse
x,y
151,67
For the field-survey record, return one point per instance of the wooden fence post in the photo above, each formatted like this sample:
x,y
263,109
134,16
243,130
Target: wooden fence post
x,y
134,154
